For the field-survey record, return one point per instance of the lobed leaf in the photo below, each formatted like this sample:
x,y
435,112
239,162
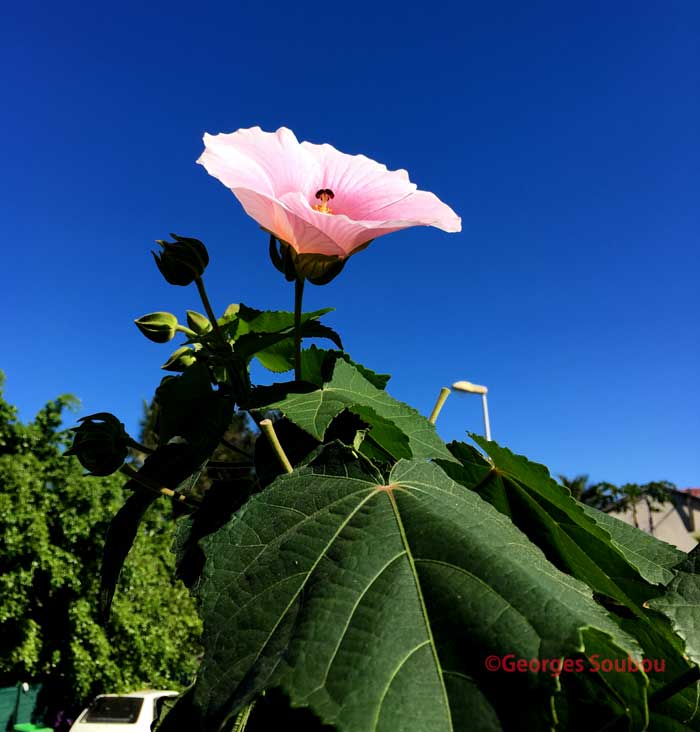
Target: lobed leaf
x,y
395,422
375,604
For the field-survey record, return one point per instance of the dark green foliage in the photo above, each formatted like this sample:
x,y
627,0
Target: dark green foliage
x,y
53,523
364,590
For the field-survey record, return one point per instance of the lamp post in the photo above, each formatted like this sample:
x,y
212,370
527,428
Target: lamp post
x,y
470,388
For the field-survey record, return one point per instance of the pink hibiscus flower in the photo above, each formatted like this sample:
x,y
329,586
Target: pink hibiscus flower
x,y
315,198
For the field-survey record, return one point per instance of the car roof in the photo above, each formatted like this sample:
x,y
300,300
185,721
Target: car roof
x,y
145,693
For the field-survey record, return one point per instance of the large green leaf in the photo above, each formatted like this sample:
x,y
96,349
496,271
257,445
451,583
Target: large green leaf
x,y
560,525
681,604
375,604
396,422
622,564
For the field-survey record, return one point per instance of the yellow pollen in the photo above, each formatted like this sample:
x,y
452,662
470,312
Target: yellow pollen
x,y
324,195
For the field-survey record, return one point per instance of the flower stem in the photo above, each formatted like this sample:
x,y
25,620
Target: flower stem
x,y
298,295
235,371
210,312
269,430
442,397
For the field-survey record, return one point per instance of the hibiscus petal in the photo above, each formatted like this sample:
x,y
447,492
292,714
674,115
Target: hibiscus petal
x,y
276,178
421,208
271,163
287,226
361,185
349,235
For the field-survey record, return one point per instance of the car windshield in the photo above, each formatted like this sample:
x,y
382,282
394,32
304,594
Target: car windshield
x,y
114,710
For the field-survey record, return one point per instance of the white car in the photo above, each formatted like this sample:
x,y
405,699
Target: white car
x,y
120,712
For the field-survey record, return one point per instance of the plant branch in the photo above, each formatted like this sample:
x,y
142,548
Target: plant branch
x,y
152,486
141,448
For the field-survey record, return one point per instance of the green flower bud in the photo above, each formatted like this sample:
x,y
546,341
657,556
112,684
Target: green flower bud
x,y
158,327
180,360
198,323
181,261
100,446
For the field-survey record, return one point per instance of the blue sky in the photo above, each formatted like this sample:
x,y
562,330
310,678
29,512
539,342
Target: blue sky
x,y
565,135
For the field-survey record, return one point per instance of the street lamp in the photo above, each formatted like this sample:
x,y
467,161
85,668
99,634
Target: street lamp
x,y
476,389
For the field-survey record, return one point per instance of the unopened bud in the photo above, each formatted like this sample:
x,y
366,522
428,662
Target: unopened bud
x,y
198,323
157,327
100,444
181,261
180,360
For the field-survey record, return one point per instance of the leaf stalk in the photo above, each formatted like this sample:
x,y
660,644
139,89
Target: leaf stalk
x,y
268,429
442,397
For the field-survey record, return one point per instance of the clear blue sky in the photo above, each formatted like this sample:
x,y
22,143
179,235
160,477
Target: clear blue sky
x,y
564,134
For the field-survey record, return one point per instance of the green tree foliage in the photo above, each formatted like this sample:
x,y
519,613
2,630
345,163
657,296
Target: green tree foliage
x,y
53,522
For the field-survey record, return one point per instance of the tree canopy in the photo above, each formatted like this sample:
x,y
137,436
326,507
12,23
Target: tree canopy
x,y
616,499
53,521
